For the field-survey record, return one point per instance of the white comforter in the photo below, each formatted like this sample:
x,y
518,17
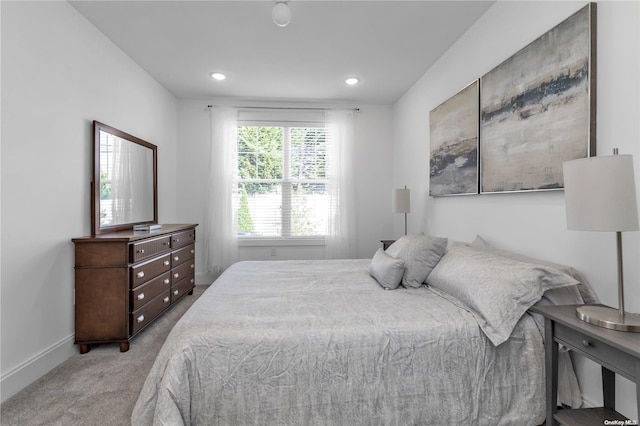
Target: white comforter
x,y
321,343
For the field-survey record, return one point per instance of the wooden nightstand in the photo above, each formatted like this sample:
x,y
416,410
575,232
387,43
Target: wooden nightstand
x,y
618,352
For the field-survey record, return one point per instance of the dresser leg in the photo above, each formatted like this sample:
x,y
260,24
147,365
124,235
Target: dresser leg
x,y
124,346
84,348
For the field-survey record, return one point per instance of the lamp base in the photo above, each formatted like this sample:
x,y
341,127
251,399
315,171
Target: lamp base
x,y
606,317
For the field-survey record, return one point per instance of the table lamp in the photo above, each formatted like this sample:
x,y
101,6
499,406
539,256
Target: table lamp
x,y
402,203
600,195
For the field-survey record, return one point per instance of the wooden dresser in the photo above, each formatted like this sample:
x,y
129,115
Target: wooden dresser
x,y
124,280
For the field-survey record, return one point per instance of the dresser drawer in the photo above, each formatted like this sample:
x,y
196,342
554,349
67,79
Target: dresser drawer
x,y
603,354
186,270
145,271
148,248
148,312
184,286
182,255
143,294
182,239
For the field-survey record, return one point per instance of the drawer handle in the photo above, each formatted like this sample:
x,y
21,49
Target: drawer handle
x,y
177,240
176,258
192,280
165,243
166,299
586,343
141,251
141,318
193,251
167,281
166,263
176,275
141,296
140,274
175,292
192,266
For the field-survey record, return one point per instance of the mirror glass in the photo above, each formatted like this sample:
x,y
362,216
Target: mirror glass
x,y
125,172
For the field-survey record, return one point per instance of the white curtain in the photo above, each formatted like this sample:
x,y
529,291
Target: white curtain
x,y
341,240
221,240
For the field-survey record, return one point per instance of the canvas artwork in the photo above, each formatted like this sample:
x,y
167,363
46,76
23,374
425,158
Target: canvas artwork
x,y
454,144
537,109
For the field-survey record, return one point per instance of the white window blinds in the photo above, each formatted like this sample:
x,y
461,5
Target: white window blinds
x,y
282,180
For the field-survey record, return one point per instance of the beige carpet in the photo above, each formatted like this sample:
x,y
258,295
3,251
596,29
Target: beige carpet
x,y
97,388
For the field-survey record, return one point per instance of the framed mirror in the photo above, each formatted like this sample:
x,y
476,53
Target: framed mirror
x,y
125,181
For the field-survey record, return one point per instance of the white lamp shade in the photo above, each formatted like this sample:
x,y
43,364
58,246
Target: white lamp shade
x,y
600,194
281,14
402,200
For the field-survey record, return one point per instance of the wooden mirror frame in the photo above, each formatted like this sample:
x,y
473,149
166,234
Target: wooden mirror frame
x,y
95,184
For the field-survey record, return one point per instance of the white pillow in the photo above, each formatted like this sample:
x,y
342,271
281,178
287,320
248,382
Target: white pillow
x,y
496,289
386,269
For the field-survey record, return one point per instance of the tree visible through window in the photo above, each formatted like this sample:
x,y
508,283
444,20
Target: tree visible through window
x,y
282,187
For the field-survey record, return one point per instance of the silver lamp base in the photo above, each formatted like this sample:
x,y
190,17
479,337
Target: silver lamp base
x,y
606,317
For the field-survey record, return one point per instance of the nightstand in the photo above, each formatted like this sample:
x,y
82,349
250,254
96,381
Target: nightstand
x,y
386,243
617,352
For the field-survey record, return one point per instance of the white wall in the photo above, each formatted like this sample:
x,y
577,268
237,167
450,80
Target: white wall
x,y
59,73
533,223
372,170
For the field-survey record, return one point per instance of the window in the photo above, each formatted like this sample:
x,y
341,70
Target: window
x,y
282,181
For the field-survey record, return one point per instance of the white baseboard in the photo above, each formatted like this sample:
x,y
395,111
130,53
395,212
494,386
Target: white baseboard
x,y
35,367
40,364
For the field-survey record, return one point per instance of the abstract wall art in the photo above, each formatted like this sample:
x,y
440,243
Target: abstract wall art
x,y
453,136
538,109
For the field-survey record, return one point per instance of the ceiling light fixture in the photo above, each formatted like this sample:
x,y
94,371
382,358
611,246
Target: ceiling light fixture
x,y
352,81
281,14
218,76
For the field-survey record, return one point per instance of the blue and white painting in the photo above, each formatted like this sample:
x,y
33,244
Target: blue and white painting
x,y
453,141
536,110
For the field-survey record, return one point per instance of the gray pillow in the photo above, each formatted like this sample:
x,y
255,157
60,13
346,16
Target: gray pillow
x,y
496,289
582,293
421,253
394,249
386,269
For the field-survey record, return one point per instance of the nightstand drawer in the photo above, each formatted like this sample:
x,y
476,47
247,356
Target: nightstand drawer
x,y
608,356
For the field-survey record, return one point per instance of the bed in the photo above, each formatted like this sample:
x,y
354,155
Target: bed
x,y
323,343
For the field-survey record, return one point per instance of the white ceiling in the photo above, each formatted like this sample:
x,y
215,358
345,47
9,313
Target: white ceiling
x,y
389,45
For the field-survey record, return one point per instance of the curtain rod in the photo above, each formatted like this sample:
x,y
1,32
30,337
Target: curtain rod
x,y
292,108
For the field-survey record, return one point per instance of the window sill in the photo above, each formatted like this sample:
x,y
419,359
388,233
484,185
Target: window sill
x,y
279,242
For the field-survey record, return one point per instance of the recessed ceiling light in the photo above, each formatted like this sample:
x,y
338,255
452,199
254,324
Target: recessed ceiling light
x,y
351,81
218,76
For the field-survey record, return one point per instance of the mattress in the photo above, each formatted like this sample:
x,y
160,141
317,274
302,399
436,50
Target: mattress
x,y
322,343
